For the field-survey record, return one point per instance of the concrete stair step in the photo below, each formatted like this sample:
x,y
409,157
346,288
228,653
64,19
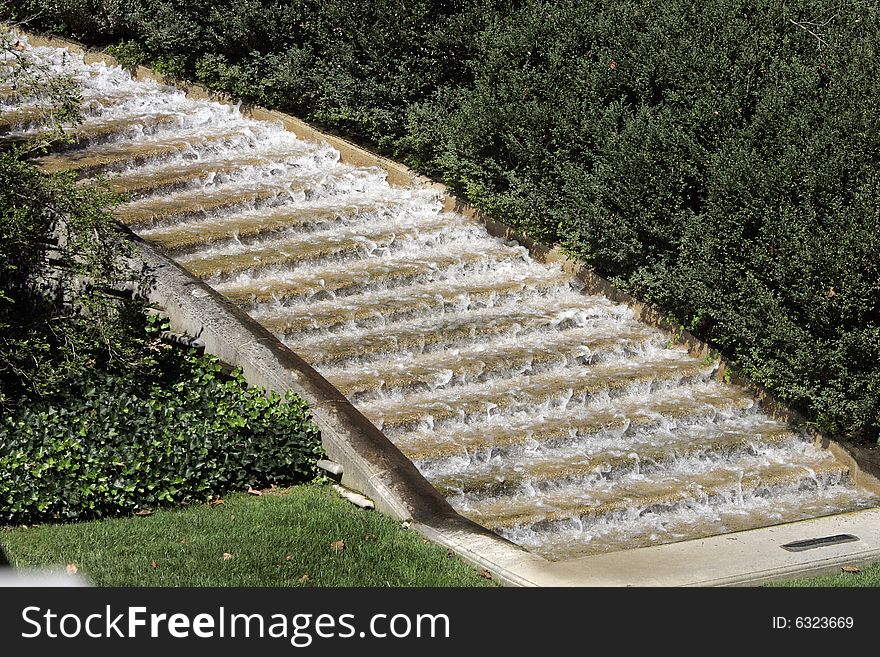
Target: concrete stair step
x,y
104,131
168,209
187,237
172,177
559,387
355,277
444,330
501,479
195,203
22,118
623,415
400,303
478,361
652,495
92,133
122,155
360,240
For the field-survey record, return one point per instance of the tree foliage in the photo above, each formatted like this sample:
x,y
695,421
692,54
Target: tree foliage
x,y
61,257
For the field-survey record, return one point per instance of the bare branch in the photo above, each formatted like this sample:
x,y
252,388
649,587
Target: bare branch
x,y
803,26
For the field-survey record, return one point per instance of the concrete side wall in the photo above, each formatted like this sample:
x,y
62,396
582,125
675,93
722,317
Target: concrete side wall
x,y
371,463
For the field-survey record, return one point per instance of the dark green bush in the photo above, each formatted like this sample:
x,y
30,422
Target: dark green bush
x,y
53,322
99,417
116,444
715,158
719,159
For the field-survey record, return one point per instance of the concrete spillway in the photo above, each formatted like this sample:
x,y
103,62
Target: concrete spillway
x,y
553,417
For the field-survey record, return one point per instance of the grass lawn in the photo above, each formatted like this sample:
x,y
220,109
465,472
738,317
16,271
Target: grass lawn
x,y
869,576
288,537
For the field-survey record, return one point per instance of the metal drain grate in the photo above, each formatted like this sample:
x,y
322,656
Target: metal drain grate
x,y
824,541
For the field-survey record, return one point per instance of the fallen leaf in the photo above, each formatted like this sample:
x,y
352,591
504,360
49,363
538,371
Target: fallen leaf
x,y
254,491
143,512
183,541
219,500
337,546
71,569
485,574
831,293
288,557
851,569
154,564
450,552
303,579
227,556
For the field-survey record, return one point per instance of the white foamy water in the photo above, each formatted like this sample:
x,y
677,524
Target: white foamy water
x,y
551,416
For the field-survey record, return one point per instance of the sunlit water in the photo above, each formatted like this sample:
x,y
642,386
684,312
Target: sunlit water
x,y
551,416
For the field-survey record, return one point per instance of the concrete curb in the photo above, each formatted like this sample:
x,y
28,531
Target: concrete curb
x,y
375,467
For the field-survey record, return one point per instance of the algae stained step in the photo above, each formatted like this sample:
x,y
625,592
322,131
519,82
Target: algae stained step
x,y
553,417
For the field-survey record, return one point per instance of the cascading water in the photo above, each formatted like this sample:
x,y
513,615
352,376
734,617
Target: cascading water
x,y
551,416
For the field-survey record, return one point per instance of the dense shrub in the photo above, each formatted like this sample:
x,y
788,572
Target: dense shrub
x,y
720,159
714,158
53,322
118,444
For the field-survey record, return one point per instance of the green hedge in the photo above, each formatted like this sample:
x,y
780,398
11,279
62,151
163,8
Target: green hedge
x,y
117,445
720,159
713,158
